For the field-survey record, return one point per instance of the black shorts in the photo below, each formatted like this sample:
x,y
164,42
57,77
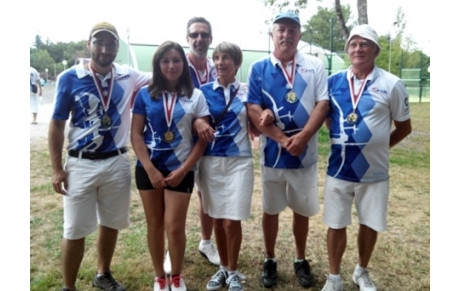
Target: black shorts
x,y
143,181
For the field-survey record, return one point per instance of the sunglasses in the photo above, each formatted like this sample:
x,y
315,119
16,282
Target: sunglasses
x,y
196,34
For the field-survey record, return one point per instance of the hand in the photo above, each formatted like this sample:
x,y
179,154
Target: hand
x,y
175,177
59,181
157,179
203,129
296,144
266,118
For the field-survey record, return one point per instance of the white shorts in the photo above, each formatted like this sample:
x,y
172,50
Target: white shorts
x,y
296,188
98,193
371,201
34,102
226,185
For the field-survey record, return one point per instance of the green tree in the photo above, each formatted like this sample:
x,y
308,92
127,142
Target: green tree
x,y
280,5
38,42
318,29
41,60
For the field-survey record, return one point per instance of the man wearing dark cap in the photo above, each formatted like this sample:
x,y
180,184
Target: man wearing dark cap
x,y
366,101
293,87
95,180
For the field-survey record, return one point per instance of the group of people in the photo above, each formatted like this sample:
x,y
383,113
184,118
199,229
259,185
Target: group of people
x,y
191,126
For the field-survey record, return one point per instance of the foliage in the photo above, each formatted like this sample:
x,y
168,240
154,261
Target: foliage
x,y
318,28
281,5
41,59
51,56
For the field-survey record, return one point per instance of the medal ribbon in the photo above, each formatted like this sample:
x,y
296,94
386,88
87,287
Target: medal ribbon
x,y
105,99
355,97
198,75
169,106
289,77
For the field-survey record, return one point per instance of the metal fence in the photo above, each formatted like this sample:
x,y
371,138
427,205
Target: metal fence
x,y
417,85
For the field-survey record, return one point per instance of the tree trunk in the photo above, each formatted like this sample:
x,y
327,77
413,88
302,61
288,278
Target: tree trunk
x,y
340,19
362,12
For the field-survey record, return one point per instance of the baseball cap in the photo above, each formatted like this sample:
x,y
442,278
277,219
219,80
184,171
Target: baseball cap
x,y
364,31
287,15
103,26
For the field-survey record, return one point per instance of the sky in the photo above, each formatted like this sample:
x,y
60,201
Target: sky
x,y
240,21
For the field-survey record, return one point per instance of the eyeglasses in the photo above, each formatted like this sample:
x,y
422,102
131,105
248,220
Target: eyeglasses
x,y
111,45
196,34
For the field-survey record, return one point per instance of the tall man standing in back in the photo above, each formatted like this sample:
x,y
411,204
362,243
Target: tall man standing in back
x,y
202,70
293,86
365,102
96,179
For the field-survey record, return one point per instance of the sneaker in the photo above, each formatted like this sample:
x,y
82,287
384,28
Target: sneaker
x,y
107,282
178,283
167,264
333,285
208,250
269,275
217,280
304,276
161,284
234,282
364,281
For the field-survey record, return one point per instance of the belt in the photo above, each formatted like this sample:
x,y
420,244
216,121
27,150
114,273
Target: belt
x,y
97,155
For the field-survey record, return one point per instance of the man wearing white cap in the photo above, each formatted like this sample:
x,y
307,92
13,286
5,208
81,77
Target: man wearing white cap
x,y
365,102
96,179
293,87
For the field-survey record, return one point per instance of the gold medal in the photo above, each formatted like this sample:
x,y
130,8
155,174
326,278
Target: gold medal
x,y
106,121
352,118
291,97
168,136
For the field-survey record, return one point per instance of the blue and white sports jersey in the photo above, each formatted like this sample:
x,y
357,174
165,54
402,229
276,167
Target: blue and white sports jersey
x,y
168,156
268,88
231,133
211,76
360,150
77,94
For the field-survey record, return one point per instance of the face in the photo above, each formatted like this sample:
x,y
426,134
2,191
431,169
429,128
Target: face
x,y
199,39
103,48
361,51
172,66
225,66
286,35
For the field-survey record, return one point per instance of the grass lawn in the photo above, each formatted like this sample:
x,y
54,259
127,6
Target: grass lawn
x,y
401,259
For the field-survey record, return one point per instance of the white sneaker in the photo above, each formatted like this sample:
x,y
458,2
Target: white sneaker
x,y
178,284
364,281
333,285
161,284
208,250
167,263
